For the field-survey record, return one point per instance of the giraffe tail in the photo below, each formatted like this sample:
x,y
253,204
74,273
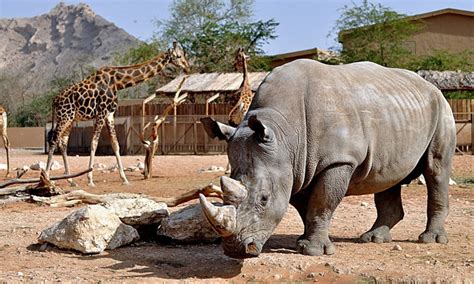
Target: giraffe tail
x,y
53,116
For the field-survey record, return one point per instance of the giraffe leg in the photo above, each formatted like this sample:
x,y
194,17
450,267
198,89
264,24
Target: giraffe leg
x,y
63,149
55,140
99,123
7,149
115,145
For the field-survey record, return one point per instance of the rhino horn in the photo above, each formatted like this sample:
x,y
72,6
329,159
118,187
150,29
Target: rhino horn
x,y
222,219
234,191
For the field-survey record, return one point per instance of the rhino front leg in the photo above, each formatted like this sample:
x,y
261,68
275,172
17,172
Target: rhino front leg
x,y
389,213
329,189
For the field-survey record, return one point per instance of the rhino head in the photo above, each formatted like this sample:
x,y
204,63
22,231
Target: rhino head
x,y
256,194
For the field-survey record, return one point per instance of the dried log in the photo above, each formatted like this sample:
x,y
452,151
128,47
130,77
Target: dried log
x,y
33,180
80,196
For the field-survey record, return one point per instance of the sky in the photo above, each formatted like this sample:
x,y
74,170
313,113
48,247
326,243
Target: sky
x,y
304,24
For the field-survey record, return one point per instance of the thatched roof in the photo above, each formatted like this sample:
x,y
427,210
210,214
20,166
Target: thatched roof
x,y
212,82
449,80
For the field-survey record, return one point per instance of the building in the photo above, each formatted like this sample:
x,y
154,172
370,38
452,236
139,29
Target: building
x,y
448,29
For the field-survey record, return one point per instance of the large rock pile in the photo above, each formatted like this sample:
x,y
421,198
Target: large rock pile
x,y
117,222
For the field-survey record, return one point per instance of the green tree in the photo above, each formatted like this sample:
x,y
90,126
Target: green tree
x,y
372,32
212,30
443,60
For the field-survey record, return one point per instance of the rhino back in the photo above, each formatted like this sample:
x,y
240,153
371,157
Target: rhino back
x,y
379,119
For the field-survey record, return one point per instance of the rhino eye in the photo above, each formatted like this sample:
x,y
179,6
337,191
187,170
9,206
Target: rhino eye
x,y
263,200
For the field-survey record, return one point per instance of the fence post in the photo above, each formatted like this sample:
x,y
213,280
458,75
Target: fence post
x,y
195,137
472,127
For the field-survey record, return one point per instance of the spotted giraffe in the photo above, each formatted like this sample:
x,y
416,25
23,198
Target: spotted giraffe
x,y
244,92
95,98
3,131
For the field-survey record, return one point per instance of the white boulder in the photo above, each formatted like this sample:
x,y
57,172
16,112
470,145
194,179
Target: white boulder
x,y
138,211
91,229
188,225
37,166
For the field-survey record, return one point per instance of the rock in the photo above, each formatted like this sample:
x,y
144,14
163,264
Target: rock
x,y
364,204
37,166
188,225
311,275
91,229
421,181
3,166
138,211
99,167
397,247
55,166
213,169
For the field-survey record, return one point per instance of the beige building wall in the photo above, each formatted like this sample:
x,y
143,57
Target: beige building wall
x,y
452,32
26,137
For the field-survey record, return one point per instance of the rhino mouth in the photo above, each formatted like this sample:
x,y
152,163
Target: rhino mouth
x,y
246,249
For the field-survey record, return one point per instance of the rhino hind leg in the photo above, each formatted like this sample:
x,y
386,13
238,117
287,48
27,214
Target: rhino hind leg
x,y
389,213
437,183
436,172
329,189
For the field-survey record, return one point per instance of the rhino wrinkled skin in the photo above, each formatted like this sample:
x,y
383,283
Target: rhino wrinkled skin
x,y
316,133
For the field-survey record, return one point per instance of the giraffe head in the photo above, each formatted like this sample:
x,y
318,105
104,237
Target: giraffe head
x,y
178,57
240,59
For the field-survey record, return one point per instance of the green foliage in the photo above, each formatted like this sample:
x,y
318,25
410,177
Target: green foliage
x,y
212,30
459,94
139,54
213,49
443,60
372,32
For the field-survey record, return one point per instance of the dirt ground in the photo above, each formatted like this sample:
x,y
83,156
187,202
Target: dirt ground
x,y
22,260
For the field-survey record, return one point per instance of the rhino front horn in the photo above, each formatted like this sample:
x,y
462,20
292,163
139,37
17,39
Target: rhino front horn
x,y
222,219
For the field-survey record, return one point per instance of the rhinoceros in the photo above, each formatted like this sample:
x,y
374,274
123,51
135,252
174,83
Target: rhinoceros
x,y
316,133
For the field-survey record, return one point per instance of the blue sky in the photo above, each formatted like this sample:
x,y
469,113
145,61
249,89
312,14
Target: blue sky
x,y
304,24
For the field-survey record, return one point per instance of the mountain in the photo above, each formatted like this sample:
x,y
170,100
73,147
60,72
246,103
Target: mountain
x,y
68,39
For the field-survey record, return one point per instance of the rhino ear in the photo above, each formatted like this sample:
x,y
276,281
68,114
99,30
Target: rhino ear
x,y
262,133
216,129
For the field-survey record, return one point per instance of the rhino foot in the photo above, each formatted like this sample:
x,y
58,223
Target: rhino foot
x,y
431,236
378,235
314,248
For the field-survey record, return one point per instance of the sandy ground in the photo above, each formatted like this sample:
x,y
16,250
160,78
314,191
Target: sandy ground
x,y
22,260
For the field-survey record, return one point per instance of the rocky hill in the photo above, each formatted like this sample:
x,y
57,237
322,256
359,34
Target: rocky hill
x,y
69,38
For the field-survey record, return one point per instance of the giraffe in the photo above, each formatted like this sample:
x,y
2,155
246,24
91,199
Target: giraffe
x,y
95,98
244,92
3,131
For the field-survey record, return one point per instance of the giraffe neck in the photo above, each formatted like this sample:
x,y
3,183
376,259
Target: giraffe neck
x,y
244,67
127,76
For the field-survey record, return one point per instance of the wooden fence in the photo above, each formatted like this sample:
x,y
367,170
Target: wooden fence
x,y
463,111
184,133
